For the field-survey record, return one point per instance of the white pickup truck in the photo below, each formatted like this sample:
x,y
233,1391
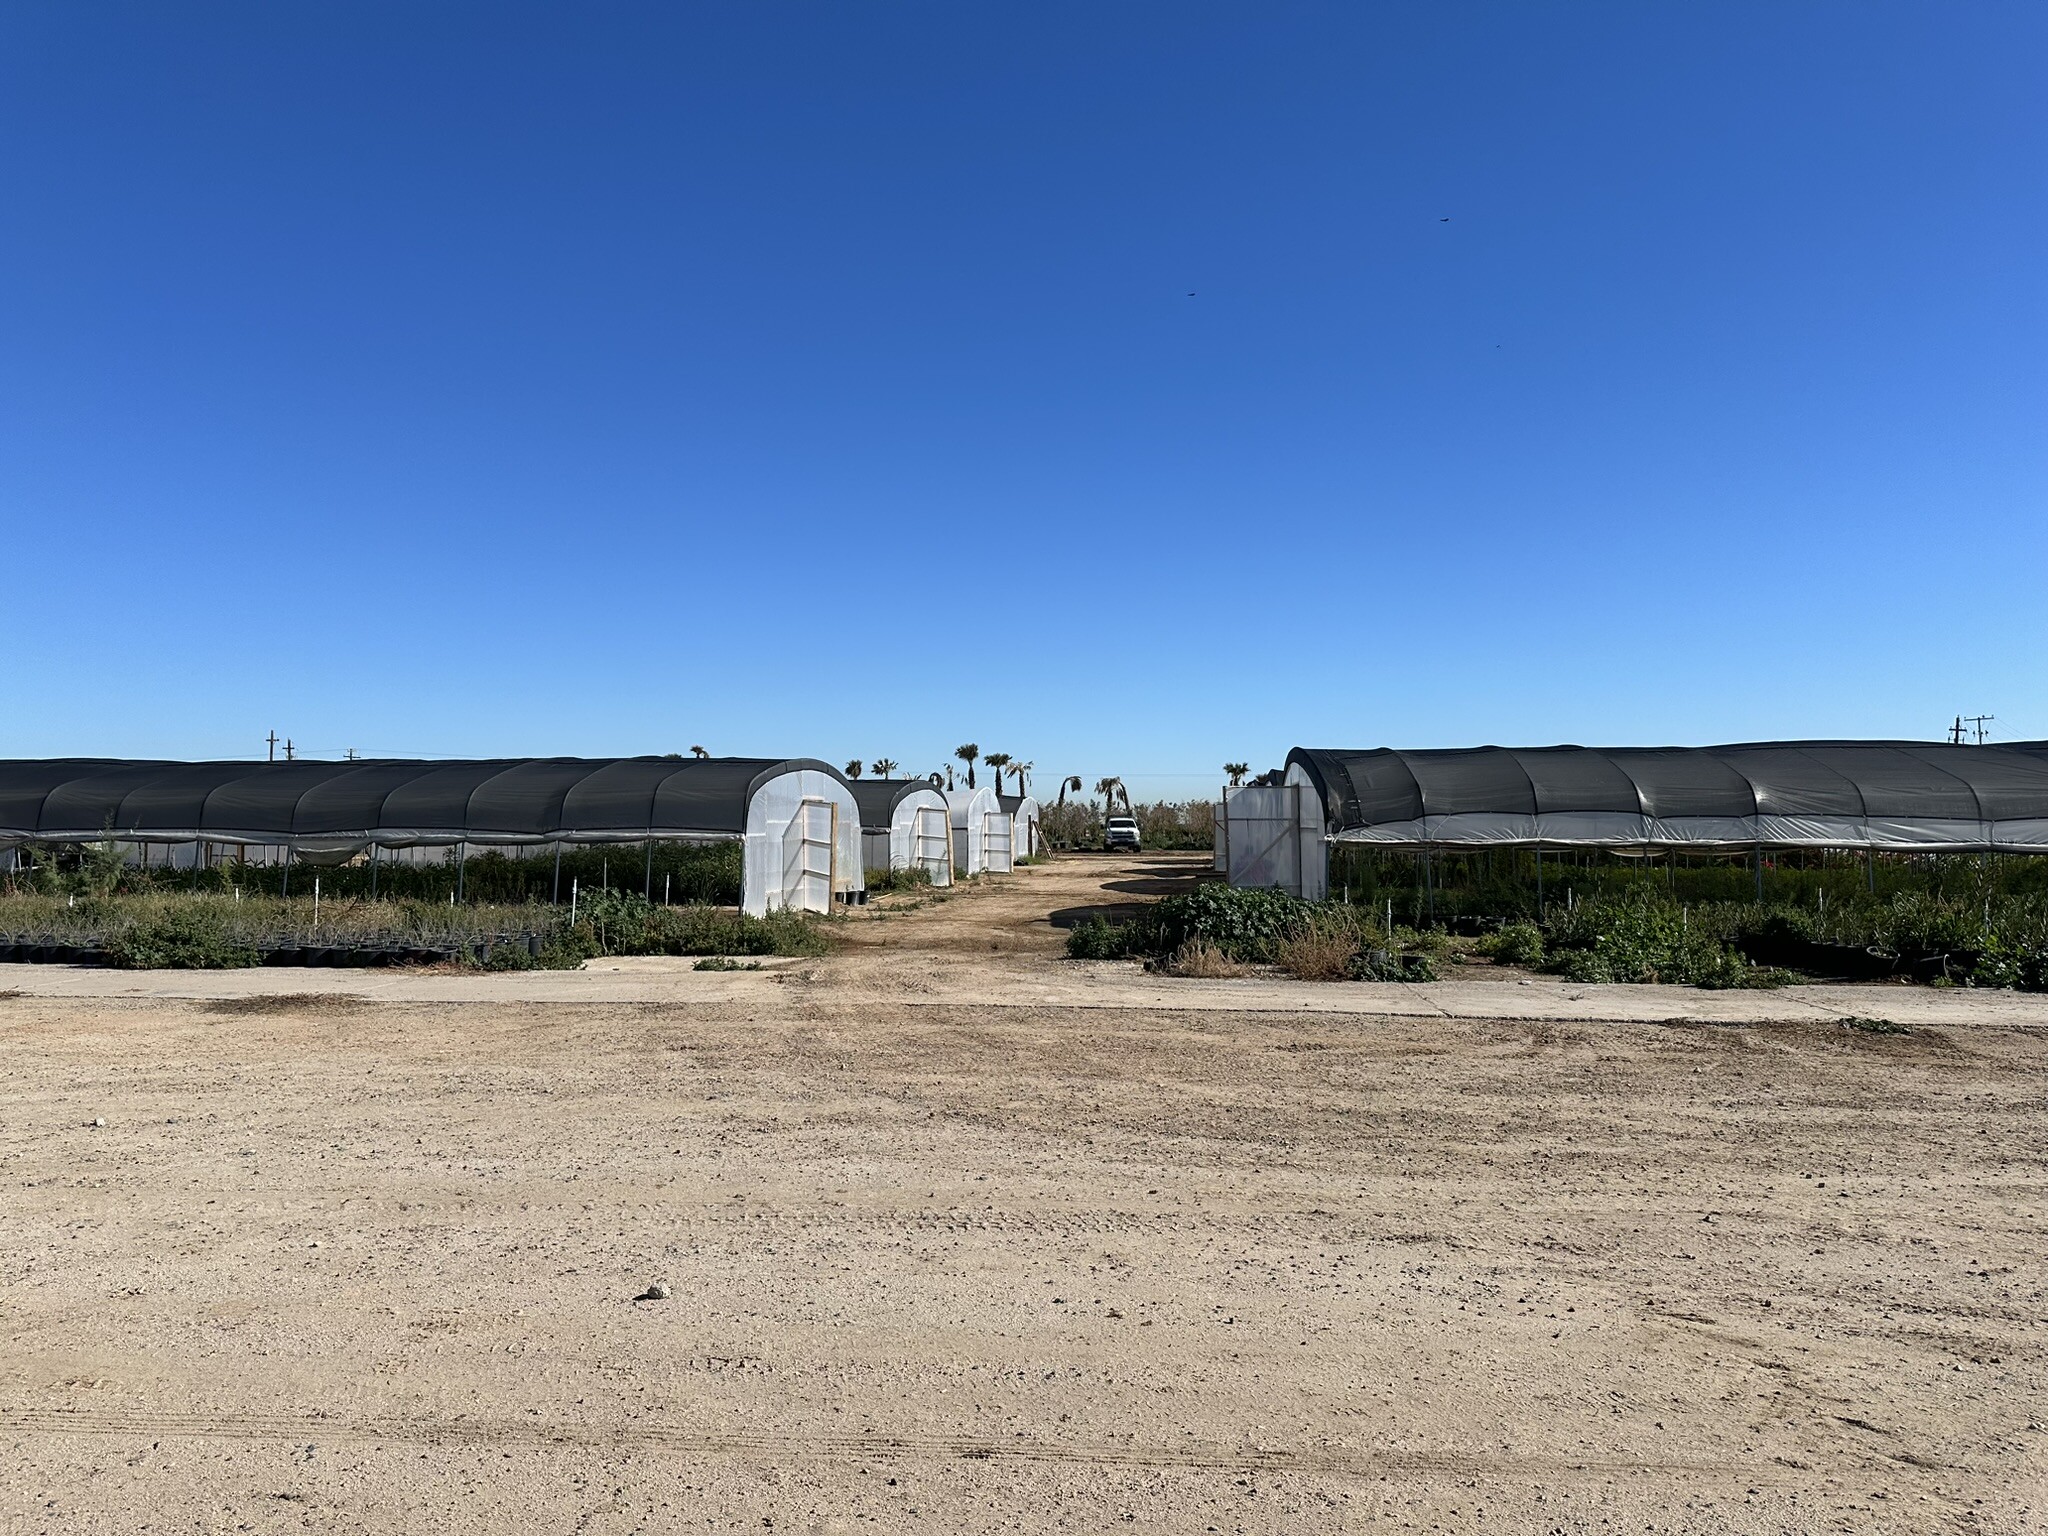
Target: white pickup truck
x,y
1121,832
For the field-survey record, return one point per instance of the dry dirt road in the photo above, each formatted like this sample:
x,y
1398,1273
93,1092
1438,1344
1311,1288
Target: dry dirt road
x,y
964,1237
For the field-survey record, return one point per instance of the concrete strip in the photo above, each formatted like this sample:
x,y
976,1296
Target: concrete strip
x,y
1032,982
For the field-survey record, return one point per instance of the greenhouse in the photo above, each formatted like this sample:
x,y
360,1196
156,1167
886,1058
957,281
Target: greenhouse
x,y
1026,841
796,817
981,832
904,825
1894,797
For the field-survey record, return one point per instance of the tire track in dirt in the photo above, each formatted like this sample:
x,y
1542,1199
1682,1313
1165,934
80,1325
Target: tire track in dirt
x,y
1312,1224
843,1446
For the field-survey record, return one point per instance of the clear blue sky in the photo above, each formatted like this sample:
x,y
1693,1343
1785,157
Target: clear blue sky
x,y
593,379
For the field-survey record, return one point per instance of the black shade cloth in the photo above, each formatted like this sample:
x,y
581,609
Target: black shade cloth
x,y
511,800
1893,794
878,799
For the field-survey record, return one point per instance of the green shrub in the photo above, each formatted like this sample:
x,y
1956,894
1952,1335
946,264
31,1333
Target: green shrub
x,y
182,939
1247,925
2011,962
1391,965
1093,938
1518,943
619,923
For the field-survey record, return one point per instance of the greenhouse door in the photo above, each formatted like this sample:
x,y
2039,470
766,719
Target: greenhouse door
x,y
931,844
808,848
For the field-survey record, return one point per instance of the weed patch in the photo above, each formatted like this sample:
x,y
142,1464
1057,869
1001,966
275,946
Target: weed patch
x,y
1199,958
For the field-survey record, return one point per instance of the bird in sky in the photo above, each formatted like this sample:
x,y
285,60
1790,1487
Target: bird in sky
x,y
1445,219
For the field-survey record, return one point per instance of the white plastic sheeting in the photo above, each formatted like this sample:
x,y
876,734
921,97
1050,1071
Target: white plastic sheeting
x,y
919,836
1025,839
1622,831
803,844
981,831
1272,836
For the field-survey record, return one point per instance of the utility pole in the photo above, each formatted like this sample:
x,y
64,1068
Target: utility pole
x,y
1970,728
272,739
289,755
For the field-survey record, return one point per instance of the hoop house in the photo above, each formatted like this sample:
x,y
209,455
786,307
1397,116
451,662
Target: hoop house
x,y
981,832
795,816
1881,796
905,825
1025,838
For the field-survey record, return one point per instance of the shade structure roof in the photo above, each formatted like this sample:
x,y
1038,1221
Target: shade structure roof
x,y
1903,795
393,803
878,798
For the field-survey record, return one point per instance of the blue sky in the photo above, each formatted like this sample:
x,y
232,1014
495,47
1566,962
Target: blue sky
x,y
1103,384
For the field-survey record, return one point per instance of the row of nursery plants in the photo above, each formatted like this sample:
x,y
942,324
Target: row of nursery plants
x,y
1641,936
213,930
670,873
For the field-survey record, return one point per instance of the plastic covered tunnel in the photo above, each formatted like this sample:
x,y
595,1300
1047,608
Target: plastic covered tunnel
x,y
796,815
1902,796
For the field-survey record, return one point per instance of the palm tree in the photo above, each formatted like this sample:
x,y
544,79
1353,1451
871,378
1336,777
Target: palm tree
x,y
1237,771
698,752
883,766
853,769
968,752
1071,781
1109,789
998,761
1022,771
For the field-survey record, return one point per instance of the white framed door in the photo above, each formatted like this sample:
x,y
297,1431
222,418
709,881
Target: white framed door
x,y
809,853
931,844
995,844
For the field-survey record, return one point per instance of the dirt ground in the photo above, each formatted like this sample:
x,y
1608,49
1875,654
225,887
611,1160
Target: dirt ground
x,y
965,1237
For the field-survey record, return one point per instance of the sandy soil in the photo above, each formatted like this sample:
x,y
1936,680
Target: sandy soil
x,y
965,1237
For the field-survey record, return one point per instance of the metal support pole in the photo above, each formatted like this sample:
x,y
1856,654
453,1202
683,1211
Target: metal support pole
x,y
373,871
555,895
1870,871
1759,871
1539,881
647,881
1428,886
284,888
461,868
